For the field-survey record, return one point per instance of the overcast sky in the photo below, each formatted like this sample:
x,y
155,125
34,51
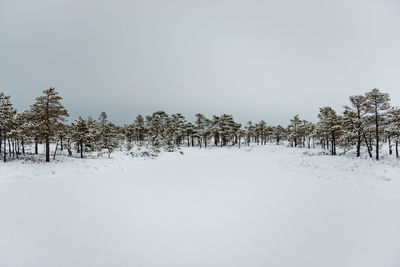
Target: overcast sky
x,y
253,59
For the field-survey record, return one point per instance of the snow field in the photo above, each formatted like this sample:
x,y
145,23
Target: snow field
x,y
254,206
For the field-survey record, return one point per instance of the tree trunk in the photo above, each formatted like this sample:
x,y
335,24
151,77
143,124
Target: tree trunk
x,y
9,147
368,148
81,150
36,148
11,143
47,149
370,143
5,149
55,151
358,143
334,147
397,148
377,135
17,148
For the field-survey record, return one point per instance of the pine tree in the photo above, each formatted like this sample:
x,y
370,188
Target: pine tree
x,y
293,129
279,133
216,129
108,134
377,104
237,133
94,135
48,112
156,127
226,129
354,117
7,114
80,134
62,134
261,132
21,131
309,132
68,138
177,128
330,126
33,129
140,129
202,128
189,133
249,128
394,127
103,118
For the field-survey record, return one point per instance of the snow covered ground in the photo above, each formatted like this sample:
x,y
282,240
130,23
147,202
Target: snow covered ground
x,y
254,206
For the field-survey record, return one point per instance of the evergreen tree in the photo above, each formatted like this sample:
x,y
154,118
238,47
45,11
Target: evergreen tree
x,y
80,134
377,104
216,129
203,129
201,125
177,129
279,133
330,126
109,137
293,130
48,112
354,117
94,135
261,132
34,129
249,128
394,128
129,132
156,127
68,138
140,128
108,134
21,131
7,114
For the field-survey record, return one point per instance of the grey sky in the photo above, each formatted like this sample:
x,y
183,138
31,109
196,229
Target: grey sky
x,y
253,59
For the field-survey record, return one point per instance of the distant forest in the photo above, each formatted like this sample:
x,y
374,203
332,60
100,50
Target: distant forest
x,y
367,122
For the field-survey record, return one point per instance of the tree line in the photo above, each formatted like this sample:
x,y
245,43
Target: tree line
x,y
367,121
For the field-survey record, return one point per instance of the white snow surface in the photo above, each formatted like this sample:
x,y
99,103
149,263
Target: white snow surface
x,y
254,206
